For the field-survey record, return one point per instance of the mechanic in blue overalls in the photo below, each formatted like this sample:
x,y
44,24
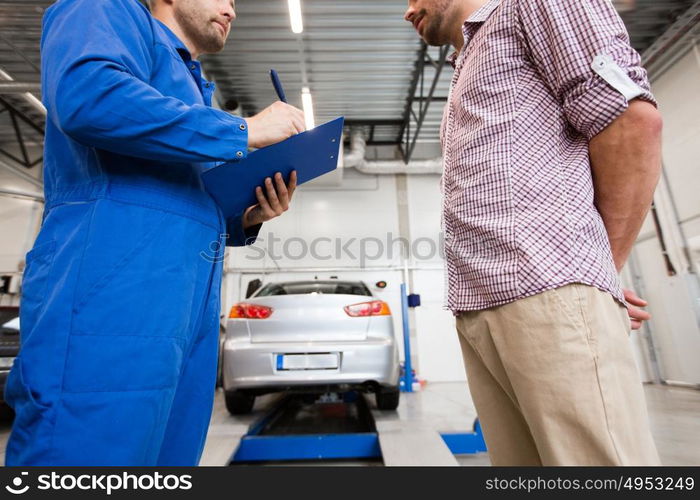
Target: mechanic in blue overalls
x,y
120,306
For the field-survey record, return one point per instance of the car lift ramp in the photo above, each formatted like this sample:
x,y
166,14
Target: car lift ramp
x,y
302,427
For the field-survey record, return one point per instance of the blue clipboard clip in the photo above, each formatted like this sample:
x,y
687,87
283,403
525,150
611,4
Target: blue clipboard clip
x,y
312,153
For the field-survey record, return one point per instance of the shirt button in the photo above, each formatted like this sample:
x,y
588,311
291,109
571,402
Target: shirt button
x,y
207,85
239,154
242,126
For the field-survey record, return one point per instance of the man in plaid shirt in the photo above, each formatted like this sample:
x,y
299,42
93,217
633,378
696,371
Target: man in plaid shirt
x,y
551,143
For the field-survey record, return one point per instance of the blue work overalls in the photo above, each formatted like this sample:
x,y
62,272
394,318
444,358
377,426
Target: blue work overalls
x,y
120,301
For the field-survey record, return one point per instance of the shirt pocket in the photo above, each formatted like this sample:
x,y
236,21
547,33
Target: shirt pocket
x,y
141,273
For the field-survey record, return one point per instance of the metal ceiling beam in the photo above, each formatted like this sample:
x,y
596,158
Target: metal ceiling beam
x,y
424,100
22,174
382,122
674,43
15,117
13,193
20,53
418,68
12,87
22,116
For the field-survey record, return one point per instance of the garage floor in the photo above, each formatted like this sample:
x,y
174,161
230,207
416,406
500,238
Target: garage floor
x,y
447,407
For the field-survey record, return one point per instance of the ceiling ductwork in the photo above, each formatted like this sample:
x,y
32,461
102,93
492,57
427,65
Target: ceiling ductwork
x,y
355,158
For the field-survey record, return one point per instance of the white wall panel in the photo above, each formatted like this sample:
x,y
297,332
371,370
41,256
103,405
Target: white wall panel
x,y
675,326
18,228
678,94
439,355
363,212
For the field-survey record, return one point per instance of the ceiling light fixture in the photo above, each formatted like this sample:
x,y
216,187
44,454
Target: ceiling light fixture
x,y
308,108
295,16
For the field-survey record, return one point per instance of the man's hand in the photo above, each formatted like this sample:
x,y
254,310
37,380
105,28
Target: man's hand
x,y
273,202
637,316
274,124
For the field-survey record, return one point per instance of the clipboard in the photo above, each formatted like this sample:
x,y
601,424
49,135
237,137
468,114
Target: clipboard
x,y
311,153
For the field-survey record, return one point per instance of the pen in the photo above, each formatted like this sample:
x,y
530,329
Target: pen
x,y
278,85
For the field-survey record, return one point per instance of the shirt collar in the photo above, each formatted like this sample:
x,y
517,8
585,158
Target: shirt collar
x,y
478,17
176,42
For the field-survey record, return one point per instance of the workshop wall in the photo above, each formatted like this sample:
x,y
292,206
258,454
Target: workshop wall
x,y
672,338
364,215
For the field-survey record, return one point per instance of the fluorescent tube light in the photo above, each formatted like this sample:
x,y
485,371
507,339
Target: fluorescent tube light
x,y
308,108
295,16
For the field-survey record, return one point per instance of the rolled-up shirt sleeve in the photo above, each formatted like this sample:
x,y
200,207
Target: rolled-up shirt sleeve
x,y
582,51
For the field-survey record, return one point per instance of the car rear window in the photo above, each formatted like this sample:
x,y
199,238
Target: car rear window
x,y
8,313
306,287
9,319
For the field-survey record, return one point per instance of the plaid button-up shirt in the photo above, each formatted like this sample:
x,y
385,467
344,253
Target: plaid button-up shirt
x,y
534,82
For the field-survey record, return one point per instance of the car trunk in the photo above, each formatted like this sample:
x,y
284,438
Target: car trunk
x,y
308,318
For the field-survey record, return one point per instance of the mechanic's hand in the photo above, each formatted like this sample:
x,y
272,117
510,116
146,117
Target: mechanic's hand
x,y
274,124
272,202
637,316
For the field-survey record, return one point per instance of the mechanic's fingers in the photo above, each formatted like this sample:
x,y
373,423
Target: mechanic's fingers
x,y
295,111
296,119
272,197
253,214
267,211
262,201
282,192
299,124
292,184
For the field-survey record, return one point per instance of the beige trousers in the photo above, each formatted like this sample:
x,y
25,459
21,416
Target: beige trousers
x,y
554,381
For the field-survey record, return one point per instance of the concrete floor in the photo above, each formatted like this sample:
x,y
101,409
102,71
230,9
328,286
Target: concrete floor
x,y
444,407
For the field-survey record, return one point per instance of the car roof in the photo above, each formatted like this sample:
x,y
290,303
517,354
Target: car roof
x,y
312,282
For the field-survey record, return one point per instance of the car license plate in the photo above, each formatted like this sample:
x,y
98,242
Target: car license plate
x,y
324,361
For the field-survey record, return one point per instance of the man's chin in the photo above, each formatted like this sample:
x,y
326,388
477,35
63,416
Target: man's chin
x,y
433,42
430,38
213,46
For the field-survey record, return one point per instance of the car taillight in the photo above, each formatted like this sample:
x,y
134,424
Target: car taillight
x,y
374,308
249,311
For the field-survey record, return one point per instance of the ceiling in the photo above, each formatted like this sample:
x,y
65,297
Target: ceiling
x,y
358,57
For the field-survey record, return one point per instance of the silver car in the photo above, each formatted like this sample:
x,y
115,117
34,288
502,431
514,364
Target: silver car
x,y
310,336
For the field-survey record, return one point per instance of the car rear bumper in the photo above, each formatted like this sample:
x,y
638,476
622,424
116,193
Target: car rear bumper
x,y
250,366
